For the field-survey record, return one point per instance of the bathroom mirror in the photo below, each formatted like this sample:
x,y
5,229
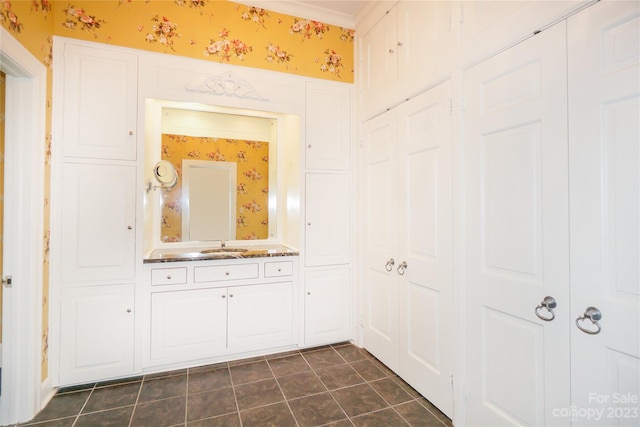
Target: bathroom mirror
x,y
226,169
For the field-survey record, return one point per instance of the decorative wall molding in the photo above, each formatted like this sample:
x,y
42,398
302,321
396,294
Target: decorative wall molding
x,y
227,84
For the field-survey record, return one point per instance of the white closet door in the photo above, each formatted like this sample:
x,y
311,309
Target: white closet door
x,y
425,229
381,239
604,116
516,220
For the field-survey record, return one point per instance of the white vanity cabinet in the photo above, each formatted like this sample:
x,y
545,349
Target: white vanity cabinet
x,y
203,310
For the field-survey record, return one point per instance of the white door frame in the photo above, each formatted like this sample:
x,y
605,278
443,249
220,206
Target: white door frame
x,y
23,392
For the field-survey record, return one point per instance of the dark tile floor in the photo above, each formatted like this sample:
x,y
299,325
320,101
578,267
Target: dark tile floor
x,y
338,385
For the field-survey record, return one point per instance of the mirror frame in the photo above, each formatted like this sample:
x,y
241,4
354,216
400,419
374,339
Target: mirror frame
x,y
280,196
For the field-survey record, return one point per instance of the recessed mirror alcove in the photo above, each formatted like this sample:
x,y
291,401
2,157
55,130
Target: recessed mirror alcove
x,y
230,185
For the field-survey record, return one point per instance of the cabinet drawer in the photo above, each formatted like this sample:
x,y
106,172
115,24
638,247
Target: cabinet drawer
x,y
225,272
168,276
277,269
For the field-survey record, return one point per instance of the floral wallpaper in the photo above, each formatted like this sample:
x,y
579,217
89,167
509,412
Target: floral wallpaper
x,y
210,30
252,192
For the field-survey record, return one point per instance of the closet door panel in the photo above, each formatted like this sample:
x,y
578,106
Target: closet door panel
x,y
425,230
381,239
604,94
516,220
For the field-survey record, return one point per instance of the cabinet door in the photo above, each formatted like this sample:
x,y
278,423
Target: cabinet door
x,y
380,202
100,103
96,333
380,60
328,126
98,223
425,43
604,155
328,219
516,223
261,314
327,302
187,325
426,236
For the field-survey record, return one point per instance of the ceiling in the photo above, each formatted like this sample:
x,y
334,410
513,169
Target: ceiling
x,y
337,12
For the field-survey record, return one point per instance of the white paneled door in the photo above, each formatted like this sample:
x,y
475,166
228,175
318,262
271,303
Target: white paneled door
x,y
516,221
408,243
425,230
604,159
381,239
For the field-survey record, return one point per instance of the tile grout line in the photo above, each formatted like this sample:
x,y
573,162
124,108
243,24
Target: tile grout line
x,y
135,405
286,401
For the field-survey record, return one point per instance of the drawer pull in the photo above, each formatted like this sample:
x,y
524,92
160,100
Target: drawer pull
x,y
168,277
230,295
224,296
226,273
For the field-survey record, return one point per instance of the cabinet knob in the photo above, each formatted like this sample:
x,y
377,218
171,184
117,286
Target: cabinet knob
x,y
224,296
308,223
308,293
309,145
168,277
400,44
390,50
226,273
230,295
129,227
130,132
128,310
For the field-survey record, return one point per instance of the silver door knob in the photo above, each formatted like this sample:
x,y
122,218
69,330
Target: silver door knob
x,y
548,303
402,267
389,265
593,315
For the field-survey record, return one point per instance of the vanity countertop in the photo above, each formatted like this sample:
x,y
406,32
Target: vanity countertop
x,y
204,253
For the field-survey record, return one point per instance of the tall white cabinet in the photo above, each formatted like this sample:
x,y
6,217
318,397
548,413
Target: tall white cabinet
x,y
328,214
94,209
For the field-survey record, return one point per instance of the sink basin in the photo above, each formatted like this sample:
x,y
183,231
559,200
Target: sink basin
x,y
223,250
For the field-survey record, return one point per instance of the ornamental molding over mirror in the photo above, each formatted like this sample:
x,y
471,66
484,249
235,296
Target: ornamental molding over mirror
x,y
227,84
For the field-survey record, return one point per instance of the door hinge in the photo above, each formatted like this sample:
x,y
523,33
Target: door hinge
x,y
6,281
